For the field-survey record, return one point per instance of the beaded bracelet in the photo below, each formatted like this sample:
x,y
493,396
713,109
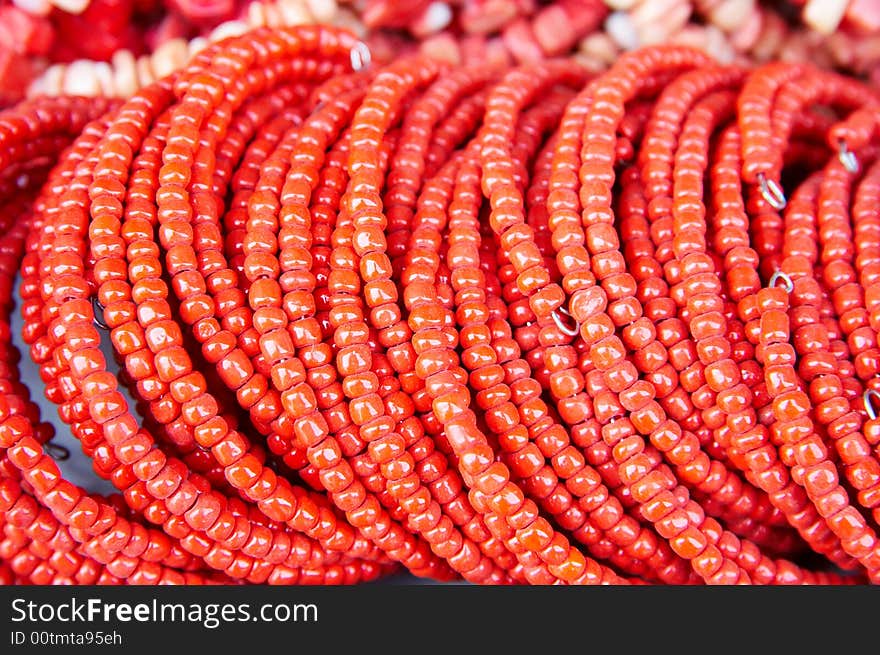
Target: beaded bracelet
x,y
506,325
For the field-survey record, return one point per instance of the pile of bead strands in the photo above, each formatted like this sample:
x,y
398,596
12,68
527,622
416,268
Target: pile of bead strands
x,y
512,326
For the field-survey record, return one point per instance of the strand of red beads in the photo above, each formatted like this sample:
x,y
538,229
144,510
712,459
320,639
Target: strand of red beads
x,y
504,325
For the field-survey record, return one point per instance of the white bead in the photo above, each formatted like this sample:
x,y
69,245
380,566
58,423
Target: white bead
x,y
169,57
621,29
125,77
71,6
294,12
104,73
323,11
436,17
228,29
34,7
80,79
824,15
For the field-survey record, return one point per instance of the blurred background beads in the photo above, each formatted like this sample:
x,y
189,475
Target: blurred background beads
x,y
133,42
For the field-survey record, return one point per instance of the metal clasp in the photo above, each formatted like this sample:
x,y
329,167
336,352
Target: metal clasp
x,y
98,310
56,451
360,56
869,406
565,329
847,157
778,276
772,192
